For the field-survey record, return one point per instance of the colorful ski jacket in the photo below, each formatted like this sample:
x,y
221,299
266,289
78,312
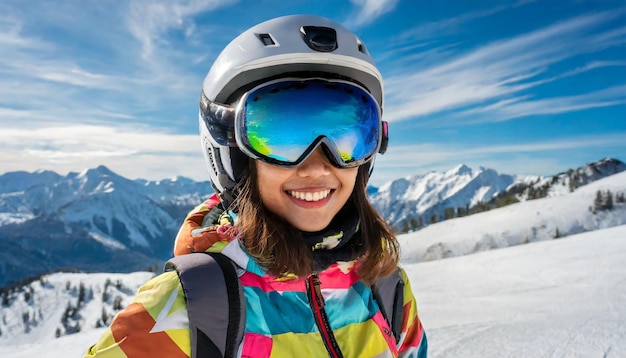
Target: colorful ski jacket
x,y
297,317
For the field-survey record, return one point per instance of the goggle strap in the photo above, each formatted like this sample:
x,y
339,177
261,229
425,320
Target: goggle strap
x,y
385,138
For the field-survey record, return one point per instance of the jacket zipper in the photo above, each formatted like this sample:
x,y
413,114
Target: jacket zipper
x,y
316,301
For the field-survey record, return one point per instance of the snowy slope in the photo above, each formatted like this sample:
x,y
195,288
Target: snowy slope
x,y
520,223
34,313
558,298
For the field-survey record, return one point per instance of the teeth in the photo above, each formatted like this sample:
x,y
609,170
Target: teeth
x,y
308,196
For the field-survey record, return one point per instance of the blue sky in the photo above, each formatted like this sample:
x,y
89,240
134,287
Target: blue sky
x,y
523,87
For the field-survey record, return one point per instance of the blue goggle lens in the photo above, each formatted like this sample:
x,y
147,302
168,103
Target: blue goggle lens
x,y
283,122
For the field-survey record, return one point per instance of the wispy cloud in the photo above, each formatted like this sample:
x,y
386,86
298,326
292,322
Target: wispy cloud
x,y
499,75
131,150
454,24
97,75
522,107
367,11
149,22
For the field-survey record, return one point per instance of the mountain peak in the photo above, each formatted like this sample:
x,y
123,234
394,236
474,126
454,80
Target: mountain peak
x,y
460,169
97,172
101,169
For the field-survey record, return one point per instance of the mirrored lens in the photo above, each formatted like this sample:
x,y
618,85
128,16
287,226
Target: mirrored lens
x,y
283,120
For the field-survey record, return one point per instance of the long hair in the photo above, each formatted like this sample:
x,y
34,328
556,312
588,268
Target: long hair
x,y
272,241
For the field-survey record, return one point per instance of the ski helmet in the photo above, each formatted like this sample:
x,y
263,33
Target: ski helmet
x,y
291,46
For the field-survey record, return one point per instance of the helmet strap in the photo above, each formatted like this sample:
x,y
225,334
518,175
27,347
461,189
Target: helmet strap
x,y
228,195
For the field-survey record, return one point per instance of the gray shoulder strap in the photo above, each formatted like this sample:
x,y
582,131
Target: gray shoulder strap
x,y
215,303
389,293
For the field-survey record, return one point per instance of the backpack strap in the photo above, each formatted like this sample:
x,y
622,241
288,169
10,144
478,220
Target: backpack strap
x,y
389,293
210,284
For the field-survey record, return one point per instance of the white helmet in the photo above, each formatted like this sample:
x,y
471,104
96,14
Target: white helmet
x,y
291,46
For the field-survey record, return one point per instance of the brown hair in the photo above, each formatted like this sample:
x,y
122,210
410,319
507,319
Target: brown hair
x,y
270,239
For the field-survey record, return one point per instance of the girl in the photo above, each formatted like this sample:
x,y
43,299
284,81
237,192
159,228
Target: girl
x,y
290,122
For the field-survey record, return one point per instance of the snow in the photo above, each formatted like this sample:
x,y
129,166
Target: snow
x,y
528,221
14,218
106,241
559,298
511,289
423,195
49,299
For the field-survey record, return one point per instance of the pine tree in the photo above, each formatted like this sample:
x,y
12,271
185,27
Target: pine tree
x,y
104,317
609,200
117,303
449,213
81,293
597,202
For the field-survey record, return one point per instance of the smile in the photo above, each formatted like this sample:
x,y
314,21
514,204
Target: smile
x,y
310,196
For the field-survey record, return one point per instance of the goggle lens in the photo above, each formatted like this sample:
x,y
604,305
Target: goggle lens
x,y
283,122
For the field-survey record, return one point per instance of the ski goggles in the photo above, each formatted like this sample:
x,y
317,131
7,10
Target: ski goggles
x,y
284,121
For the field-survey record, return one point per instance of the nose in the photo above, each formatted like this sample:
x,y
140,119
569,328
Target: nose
x,y
316,165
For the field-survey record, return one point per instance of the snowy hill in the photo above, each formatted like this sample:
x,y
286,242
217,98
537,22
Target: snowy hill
x,y
524,222
554,298
60,304
414,202
557,298
94,220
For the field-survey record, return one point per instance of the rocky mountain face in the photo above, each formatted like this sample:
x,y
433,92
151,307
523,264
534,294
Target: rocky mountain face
x,y
95,220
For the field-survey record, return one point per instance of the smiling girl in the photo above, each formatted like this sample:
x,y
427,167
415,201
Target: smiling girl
x,y
290,122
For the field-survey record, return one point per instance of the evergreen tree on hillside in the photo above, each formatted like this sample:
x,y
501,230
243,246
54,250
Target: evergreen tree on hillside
x,y
449,213
603,201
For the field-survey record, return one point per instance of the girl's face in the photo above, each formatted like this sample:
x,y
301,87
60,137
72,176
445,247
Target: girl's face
x,y
309,195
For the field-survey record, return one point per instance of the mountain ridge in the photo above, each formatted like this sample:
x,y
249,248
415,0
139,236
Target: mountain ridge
x,y
93,220
97,220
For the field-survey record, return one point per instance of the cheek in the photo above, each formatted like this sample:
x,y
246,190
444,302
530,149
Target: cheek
x,y
348,177
269,182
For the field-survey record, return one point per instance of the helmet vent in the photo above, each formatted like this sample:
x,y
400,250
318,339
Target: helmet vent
x,y
361,47
322,39
266,39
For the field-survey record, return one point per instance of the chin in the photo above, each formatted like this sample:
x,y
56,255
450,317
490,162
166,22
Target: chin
x,y
314,228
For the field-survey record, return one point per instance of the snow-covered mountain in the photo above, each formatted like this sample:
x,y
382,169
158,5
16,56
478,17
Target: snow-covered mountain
x,y
94,220
414,202
97,220
521,223
426,196
545,296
